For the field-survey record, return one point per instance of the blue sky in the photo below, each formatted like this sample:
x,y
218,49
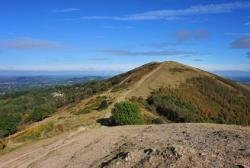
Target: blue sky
x,y
111,35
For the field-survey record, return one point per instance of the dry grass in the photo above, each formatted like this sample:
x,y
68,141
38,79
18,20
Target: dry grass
x,y
170,74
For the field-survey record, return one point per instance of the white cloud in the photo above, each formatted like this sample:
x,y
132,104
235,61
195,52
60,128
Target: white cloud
x,y
66,10
28,43
173,14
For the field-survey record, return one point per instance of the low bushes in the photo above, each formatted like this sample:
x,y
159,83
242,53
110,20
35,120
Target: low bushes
x,y
126,113
104,105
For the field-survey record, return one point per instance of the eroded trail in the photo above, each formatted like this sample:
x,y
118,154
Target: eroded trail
x,y
124,95
25,156
171,145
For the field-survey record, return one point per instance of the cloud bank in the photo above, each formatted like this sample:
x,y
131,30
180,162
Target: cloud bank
x,y
157,45
68,67
119,52
28,43
241,43
187,35
223,67
173,14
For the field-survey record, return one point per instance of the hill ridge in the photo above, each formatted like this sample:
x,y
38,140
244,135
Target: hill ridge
x,y
140,82
166,92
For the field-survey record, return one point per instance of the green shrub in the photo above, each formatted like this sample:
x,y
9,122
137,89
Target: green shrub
x,y
126,113
8,124
104,105
37,115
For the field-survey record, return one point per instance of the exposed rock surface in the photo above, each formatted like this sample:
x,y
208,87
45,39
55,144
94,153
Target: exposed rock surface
x,y
171,145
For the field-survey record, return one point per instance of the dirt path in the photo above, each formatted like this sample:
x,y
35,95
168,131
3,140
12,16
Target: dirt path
x,y
171,145
122,96
138,84
27,155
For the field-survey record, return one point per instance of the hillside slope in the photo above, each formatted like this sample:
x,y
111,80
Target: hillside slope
x,y
166,92
155,75
186,94
171,145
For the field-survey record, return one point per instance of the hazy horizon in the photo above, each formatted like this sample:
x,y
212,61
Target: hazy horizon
x,y
245,74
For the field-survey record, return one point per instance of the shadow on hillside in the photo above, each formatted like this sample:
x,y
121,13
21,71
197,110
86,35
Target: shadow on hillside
x,y
105,122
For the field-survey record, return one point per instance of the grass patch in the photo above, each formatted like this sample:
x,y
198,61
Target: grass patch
x,y
93,104
39,132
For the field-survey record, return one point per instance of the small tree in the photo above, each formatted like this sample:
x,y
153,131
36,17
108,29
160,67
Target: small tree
x,y
104,105
126,113
37,114
8,125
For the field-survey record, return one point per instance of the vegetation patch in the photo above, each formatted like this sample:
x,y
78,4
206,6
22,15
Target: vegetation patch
x,y
104,105
233,103
24,107
200,99
119,87
169,103
99,103
38,132
178,70
8,124
126,113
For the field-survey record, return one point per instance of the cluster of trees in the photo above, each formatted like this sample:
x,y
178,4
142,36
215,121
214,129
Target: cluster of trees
x,y
167,102
230,101
8,124
33,105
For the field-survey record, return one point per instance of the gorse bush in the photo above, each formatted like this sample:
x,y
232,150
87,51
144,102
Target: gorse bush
x,y
104,105
126,113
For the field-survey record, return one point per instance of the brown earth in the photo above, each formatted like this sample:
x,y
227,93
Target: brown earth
x,y
170,145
